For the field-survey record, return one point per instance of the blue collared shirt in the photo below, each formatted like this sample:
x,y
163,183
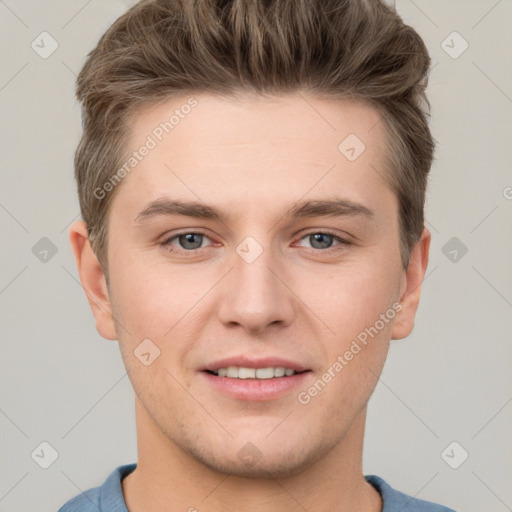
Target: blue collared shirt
x,y
109,496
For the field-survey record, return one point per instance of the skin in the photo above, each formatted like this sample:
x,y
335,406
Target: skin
x,y
252,158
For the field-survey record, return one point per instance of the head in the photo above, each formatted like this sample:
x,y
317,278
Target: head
x,y
263,95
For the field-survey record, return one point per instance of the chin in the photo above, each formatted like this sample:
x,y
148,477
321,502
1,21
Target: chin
x,y
265,467
261,459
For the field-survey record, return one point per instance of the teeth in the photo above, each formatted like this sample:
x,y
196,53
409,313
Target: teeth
x,y
265,373
240,372
279,371
246,373
232,371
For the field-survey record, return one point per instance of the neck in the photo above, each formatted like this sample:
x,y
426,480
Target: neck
x,y
167,477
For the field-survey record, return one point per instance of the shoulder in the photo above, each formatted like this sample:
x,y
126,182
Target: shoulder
x,y
88,501
106,497
395,501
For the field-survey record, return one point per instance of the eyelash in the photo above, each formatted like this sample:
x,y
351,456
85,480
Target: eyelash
x,y
342,241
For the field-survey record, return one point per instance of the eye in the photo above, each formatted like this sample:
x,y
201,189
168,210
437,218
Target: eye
x,y
193,241
189,241
323,240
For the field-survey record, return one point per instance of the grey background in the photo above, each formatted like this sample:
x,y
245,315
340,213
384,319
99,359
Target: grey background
x,y
449,381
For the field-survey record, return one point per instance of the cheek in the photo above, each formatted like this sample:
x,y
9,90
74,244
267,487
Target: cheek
x,y
357,307
151,299
153,303
349,300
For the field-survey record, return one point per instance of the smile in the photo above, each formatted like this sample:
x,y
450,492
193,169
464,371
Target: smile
x,y
241,372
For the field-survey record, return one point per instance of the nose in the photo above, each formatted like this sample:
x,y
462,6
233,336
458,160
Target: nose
x,y
256,294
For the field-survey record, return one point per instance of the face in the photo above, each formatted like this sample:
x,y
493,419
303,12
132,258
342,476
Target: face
x,y
283,255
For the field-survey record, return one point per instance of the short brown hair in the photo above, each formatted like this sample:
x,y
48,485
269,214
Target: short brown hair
x,y
358,49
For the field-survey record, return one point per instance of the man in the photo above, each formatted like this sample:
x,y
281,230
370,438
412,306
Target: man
x,y
252,178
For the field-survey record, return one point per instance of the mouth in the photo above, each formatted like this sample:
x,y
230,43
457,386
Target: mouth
x,y
257,380
242,372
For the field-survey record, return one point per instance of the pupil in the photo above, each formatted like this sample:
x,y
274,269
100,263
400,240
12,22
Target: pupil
x,y
321,238
189,238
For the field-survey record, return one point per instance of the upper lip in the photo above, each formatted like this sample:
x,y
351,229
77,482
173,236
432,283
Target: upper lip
x,y
246,362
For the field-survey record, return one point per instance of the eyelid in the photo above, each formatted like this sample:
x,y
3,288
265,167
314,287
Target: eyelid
x,y
342,241
167,239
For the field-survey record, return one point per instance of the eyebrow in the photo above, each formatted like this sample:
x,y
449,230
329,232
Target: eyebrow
x,y
310,208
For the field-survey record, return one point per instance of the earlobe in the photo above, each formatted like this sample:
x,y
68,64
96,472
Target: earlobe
x,y
411,287
93,280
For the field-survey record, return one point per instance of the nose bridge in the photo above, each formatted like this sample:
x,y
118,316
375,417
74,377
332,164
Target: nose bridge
x,y
254,296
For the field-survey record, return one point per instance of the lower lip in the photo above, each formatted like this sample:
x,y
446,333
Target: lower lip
x,y
256,389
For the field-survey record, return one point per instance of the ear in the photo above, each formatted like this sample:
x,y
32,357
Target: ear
x,y
93,280
411,287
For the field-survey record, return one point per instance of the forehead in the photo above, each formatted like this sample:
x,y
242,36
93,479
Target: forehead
x,y
250,146
252,119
